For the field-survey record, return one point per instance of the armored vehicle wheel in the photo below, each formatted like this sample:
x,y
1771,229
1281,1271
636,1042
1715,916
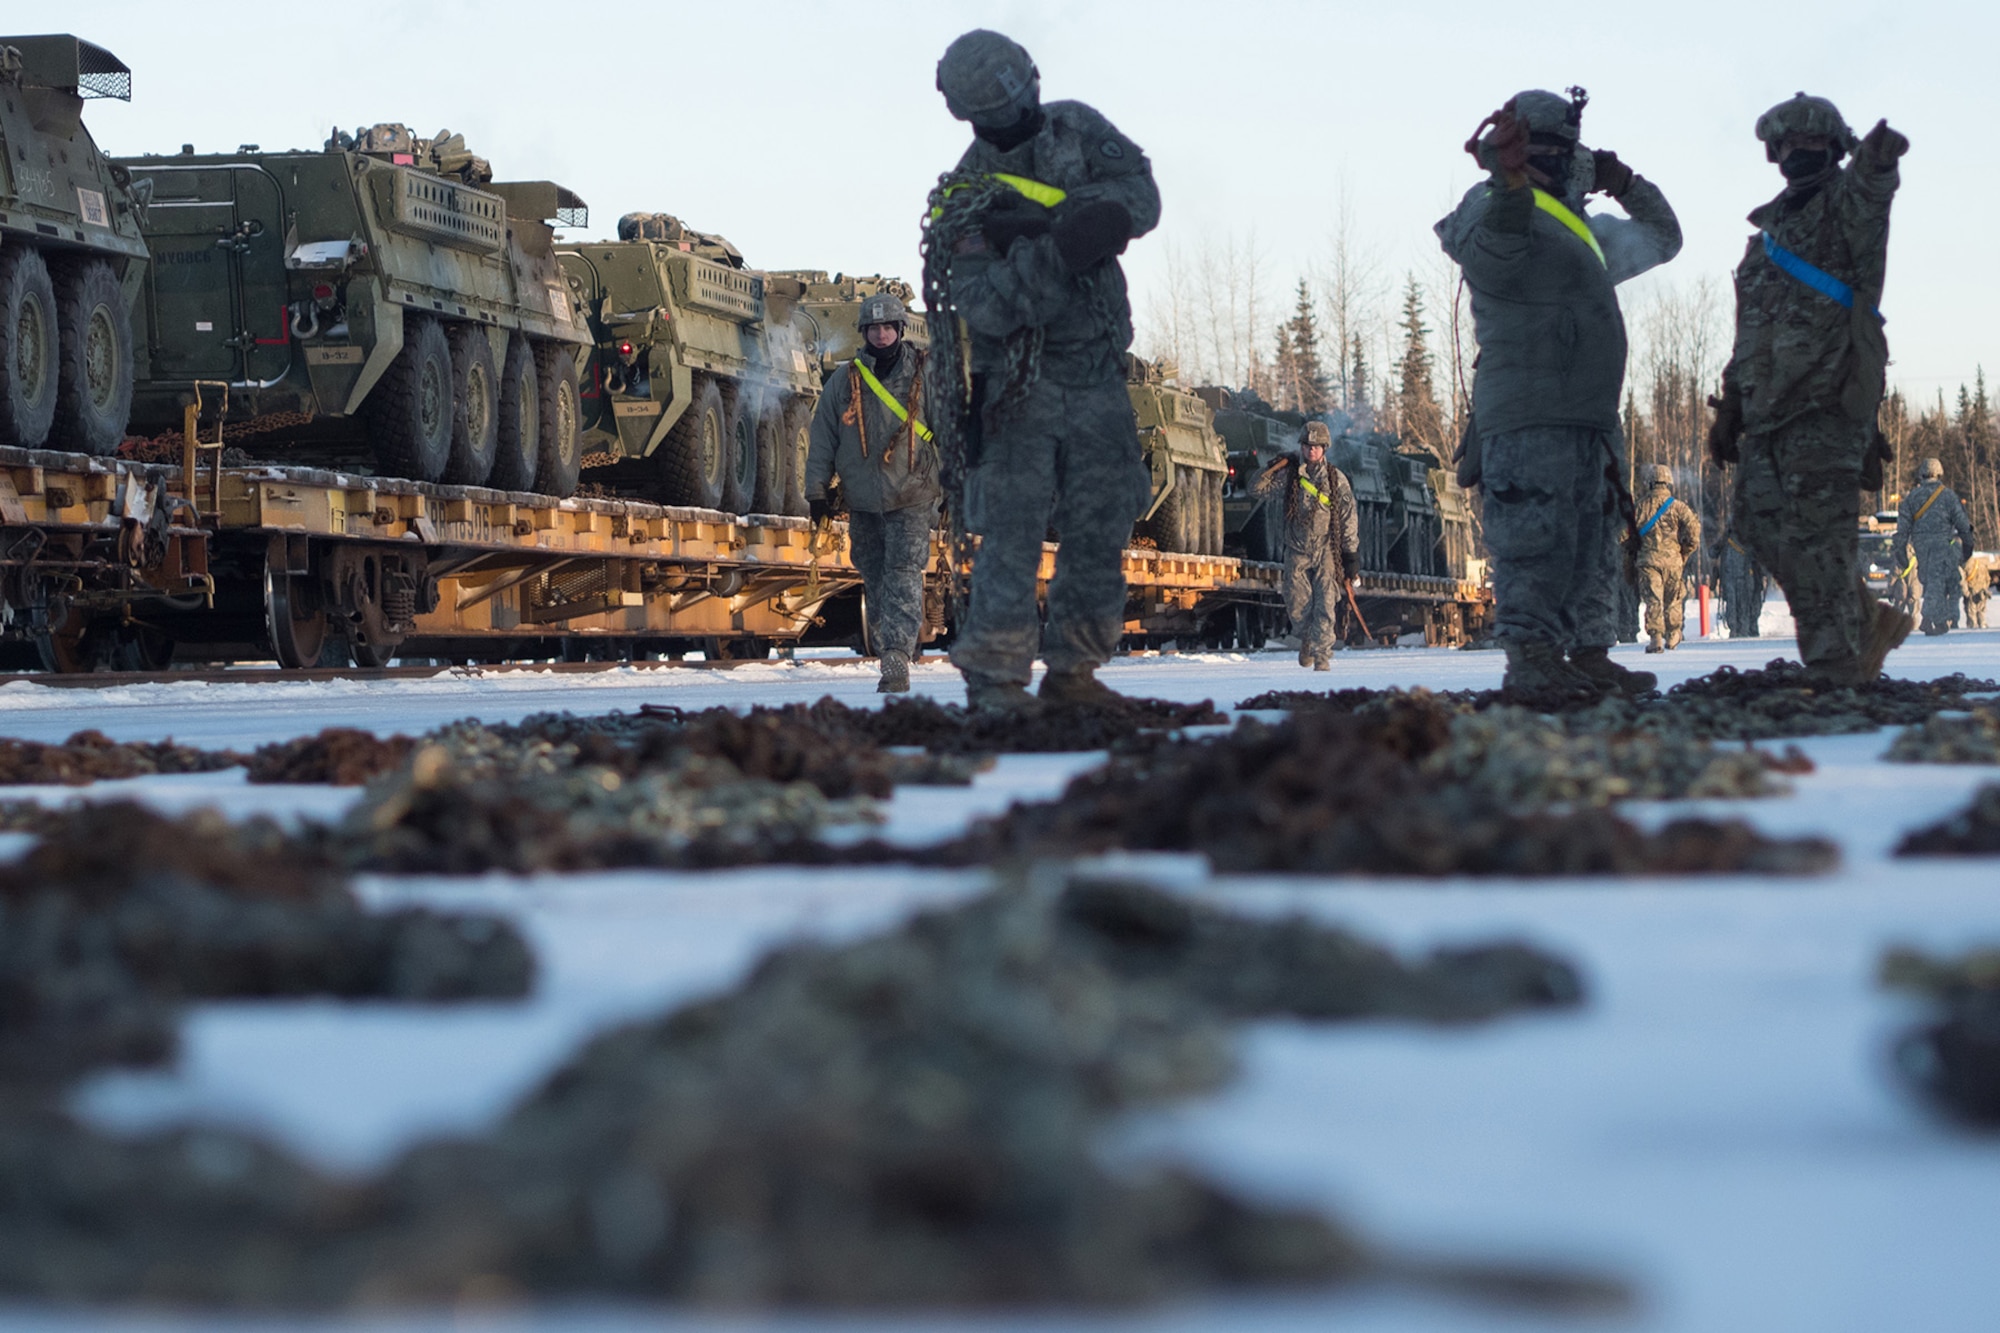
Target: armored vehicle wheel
x,y
1172,523
475,401
559,466
519,455
94,379
772,447
798,442
294,618
693,460
1214,546
740,477
29,348
410,412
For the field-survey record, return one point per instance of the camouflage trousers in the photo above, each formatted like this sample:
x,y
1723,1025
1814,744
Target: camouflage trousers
x,y
1312,597
891,551
1665,590
1798,507
1743,587
1068,456
1939,570
1552,530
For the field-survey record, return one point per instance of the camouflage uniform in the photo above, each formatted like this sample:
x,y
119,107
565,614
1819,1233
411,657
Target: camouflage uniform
x,y
1066,450
1546,394
1744,586
1942,539
1322,547
1664,550
889,479
1978,585
1805,381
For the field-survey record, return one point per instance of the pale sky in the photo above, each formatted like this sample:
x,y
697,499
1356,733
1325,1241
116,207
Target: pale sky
x,y
810,134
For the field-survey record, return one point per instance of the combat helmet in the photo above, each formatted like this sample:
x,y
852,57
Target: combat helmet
x,y
1660,475
1805,115
1314,433
988,79
883,309
1932,470
1550,119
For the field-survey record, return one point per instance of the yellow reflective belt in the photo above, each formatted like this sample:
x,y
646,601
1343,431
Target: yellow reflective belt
x,y
1316,493
1048,196
889,401
1553,206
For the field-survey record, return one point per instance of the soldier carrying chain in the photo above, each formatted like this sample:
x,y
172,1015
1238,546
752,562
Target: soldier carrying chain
x,y
1322,540
868,432
1797,413
1932,522
1546,444
1669,534
1053,193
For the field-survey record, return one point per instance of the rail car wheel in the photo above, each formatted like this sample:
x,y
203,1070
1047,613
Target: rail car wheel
x,y
559,464
141,648
94,376
740,467
798,443
29,348
294,618
410,413
475,404
694,457
69,644
519,452
768,496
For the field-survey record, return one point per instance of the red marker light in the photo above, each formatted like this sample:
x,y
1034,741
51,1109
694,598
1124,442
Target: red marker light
x,y
624,349
322,291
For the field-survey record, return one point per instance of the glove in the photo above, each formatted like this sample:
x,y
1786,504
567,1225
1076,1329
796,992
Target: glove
x,y
1350,566
1508,143
1089,234
1613,176
820,508
1012,218
1724,430
1879,452
1882,145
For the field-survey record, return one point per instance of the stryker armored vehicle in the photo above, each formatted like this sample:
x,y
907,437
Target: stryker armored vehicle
x,y
71,252
1185,456
830,311
381,296
699,380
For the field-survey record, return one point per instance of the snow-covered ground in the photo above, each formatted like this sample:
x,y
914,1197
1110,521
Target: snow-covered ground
x,y
1714,1123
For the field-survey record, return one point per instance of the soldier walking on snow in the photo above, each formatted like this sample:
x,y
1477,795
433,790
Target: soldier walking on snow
x,y
1744,585
1023,246
868,432
1799,397
1546,446
1669,535
1931,521
1322,540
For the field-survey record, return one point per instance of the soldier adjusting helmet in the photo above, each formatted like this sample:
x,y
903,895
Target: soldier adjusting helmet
x,y
1804,115
1932,470
883,309
989,79
1555,148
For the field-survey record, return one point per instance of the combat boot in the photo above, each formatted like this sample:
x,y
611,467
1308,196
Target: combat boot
x,y
1608,675
895,675
1322,663
1885,631
1305,655
1538,677
1078,685
999,696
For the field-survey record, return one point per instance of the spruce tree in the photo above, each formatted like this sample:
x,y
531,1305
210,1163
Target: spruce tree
x,y
1417,410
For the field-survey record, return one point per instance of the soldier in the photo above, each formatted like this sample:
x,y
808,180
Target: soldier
x,y
1978,585
1544,274
1322,540
1669,535
1930,520
868,432
1744,586
1799,396
1034,218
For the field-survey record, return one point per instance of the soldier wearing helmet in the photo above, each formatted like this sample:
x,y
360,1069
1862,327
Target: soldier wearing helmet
x,y
1931,521
1322,540
1669,534
1546,445
869,432
1796,417
1056,193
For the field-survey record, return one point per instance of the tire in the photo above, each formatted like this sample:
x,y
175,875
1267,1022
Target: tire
x,y
559,466
475,404
693,459
517,458
739,486
772,461
1215,513
94,379
409,414
798,442
1172,521
30,349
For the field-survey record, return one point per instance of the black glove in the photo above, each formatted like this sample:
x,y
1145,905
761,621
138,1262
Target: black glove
x,y
1613,176
1012,218
1881,146
1726,428
1350,566
1879,452
1089,234
820,508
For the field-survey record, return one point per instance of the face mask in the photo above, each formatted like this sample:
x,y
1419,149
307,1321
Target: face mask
x,y
1556,169
885,358
1803,163
1013,136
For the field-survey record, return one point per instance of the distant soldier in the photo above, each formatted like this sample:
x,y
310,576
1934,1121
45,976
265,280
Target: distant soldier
x,y
1744,586
1322,540
1032,221
1669,535
1544,273
1932,523
869,433
1800,394
1978,586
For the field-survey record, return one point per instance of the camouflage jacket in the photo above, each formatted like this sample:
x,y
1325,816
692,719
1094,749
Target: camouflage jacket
x,y
1544,309
1310,525
881,463
1673,540
1085,318
1943,520
1799,351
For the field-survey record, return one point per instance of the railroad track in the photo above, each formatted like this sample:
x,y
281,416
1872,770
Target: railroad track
x,y
251,675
